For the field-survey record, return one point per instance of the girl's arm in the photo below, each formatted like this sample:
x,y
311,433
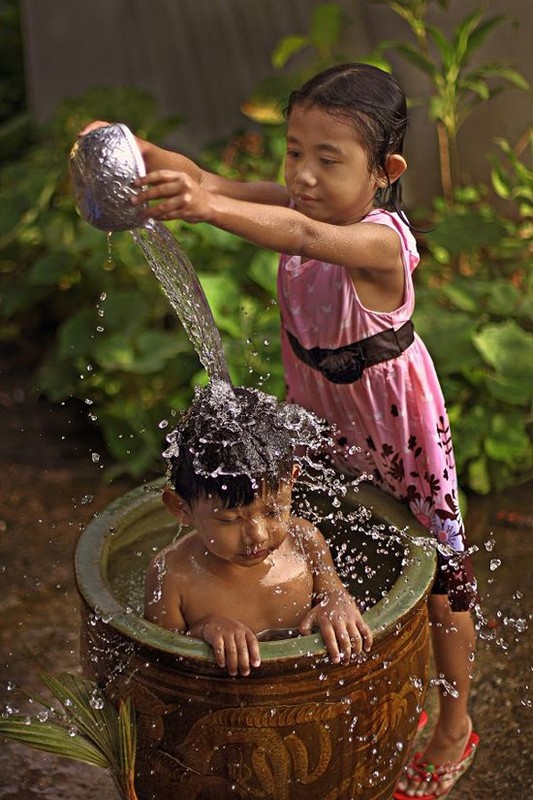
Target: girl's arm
x,y
157,159
357,245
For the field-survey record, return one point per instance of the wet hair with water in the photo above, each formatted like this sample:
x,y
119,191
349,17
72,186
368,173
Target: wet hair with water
x,y
373,101
232,442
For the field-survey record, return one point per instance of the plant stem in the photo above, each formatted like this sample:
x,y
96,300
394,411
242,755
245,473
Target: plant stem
x,y
445,162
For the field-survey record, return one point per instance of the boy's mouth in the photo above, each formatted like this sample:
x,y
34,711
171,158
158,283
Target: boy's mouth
x,y
254,553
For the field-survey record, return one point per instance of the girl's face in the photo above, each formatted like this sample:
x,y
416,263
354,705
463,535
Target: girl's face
x,y
326,169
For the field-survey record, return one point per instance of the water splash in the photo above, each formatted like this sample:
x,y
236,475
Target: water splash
x,y
177,277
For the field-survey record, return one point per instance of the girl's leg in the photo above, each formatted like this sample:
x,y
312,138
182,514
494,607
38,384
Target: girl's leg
x,y
453,635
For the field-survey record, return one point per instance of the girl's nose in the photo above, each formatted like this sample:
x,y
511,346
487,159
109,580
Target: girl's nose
x,y
306,175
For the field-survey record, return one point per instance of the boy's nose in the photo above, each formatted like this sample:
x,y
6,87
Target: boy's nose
x,y
255,532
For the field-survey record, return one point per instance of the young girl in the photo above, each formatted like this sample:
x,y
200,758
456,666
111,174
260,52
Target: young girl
x,y
350,354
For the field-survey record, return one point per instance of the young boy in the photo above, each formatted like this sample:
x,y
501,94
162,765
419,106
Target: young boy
x,y
248,564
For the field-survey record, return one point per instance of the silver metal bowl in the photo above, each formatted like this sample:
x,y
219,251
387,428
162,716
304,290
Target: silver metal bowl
x,y
104,164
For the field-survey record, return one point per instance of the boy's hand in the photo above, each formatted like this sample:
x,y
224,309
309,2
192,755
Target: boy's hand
x,y
343,629
186,199
234,645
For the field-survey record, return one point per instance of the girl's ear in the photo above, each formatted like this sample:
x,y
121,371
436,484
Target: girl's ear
x,y
395,166
295,471
177,506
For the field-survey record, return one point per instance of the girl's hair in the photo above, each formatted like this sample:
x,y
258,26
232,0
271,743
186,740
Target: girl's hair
x,y
375,104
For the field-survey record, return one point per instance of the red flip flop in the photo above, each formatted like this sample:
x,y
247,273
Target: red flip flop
x,y
422,772
422,721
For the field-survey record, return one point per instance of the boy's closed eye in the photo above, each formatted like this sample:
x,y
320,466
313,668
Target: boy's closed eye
x,y
226,520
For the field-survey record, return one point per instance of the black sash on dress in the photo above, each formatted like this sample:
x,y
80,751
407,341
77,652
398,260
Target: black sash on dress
x,y
346,364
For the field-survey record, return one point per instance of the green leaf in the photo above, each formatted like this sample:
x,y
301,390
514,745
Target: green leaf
x,y
462,232
498,71
52,738
286,48
476,34
470,427
77,335
447,52
264,270
508,440
415,57
504,299
155,349
509,350
124,310
460,297
325,26
77,696
223,295
448,337
478,476
127,738
115,352
49,269
509,390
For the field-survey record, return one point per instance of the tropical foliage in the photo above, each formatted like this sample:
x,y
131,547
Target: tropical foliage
x,y
86,728
89,312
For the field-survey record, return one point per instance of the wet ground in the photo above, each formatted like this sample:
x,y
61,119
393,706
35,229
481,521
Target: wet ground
x,y
50,488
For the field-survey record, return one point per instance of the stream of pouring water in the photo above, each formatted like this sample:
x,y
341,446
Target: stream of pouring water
x,y
177,277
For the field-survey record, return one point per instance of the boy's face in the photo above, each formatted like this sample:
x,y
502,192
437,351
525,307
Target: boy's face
x,y
244,535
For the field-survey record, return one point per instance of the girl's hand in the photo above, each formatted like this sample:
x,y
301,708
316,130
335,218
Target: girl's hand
x,y
186,198
233,643
92,126
343,629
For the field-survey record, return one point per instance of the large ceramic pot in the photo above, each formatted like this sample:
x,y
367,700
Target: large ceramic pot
x,y
298,727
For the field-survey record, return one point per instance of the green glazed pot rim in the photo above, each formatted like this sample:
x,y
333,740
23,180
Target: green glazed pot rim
x,y
408,591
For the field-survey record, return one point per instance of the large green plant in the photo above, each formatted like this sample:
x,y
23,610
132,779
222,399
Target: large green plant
x,y
107,334
457,86
477,322
103,331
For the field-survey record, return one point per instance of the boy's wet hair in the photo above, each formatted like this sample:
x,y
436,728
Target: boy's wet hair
x,y
373,101
232,442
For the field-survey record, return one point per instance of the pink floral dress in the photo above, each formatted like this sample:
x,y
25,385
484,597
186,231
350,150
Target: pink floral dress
x,y
394,414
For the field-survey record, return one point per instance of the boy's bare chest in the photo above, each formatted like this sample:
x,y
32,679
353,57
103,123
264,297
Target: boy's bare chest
x,y
272,597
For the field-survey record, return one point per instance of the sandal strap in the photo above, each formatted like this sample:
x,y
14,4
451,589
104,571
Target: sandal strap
x,y
424,771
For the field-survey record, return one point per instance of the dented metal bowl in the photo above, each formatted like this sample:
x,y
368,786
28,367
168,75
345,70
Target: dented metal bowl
x,y
104,165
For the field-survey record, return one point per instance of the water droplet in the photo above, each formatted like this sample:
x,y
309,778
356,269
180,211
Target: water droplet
x,y
494,564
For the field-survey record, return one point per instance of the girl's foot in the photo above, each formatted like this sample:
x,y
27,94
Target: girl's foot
x,y
433,772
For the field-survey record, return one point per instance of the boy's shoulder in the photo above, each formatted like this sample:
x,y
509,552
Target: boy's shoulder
x,y
305,531
175,555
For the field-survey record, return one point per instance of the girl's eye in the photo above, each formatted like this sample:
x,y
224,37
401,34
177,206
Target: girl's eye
x,y
226,521
292,154
327,161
